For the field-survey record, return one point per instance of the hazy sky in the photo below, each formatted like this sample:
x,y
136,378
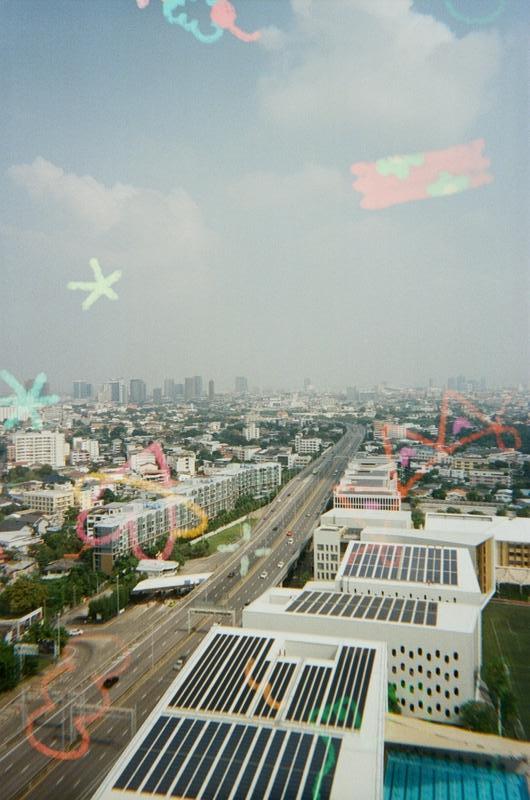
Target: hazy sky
x,y
217,179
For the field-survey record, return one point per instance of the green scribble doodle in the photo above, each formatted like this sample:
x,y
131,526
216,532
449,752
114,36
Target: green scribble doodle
x,y
340,709
27,401
447,184
399,166
486,19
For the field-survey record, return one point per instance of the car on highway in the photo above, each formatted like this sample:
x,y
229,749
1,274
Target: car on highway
x,y
74,631
232,574
111,681
290,541
179,663
264,575
308,515
280,564
275,528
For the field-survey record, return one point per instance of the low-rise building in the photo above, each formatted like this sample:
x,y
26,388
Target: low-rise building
x,y
307,445
262,714
370,483
50,501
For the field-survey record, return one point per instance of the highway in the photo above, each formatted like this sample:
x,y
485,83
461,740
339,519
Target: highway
x,y
142,644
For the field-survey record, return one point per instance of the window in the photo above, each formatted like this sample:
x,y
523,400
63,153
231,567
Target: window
x,y
402,684
457,709
429,709
447,694
393,651
455,673
457,692
428,656
438,707
429,691
429,673
438,688
411,672
437,670
402,665
447,713
401,649
411,654
420,651
420,668
437,654
394,670
446,659
420,703
446,676
403,701
411,706
455,656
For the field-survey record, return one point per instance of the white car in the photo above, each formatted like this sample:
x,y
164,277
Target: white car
x,y
290,541
264,575
74,632
280,564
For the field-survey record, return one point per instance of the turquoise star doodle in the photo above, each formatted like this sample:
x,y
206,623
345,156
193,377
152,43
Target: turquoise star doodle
x,y
27,402
97,288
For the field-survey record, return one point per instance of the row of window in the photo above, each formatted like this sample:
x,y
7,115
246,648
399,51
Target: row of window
x,y
438,708
437,688
428,656
428,673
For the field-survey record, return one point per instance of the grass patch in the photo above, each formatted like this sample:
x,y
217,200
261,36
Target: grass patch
x,y
228,536
506,634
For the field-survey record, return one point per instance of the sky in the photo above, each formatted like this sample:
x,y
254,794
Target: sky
x,y
216,178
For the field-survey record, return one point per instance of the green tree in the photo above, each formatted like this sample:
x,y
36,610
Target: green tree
x,y
8,667
439,494
479,717
418,518
25,595
393,703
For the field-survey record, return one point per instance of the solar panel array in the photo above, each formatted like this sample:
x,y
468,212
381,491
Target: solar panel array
x,y
363,606
234,676
396,562
212,760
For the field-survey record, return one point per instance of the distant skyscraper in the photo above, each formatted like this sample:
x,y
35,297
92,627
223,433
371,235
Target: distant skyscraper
x,y
179,390
307,384
352,395
118,391
241,385
451,383
211,390
137,391
169,388
82,390
157,395
198,386
189,388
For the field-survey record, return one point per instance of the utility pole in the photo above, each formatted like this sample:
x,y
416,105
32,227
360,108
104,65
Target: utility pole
x,y
118,592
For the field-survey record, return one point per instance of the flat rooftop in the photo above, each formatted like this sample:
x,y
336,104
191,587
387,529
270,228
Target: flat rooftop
x,y
374,562
319,599
255,714
362,517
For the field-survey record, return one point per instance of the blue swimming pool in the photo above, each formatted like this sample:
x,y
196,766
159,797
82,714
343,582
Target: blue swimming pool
x,y
415,777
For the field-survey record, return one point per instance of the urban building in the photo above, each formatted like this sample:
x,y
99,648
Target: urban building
x,y
83,451
369,482
307,446
241,385
82,390
211,390
117,391
512,543
197,387
391,430
40,447
137,391
157,395
489,478
434,648
50,501
169,389
251,432
261,714
183,462
189,388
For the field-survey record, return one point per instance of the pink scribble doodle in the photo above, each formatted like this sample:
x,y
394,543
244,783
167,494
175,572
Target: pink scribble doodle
x,y
224,14
142,3
405,454
437,173
459,424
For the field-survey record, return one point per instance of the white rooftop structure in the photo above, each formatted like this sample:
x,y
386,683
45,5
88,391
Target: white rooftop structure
x,y
358,518
169,583
369,482
256,714
434,648
156,566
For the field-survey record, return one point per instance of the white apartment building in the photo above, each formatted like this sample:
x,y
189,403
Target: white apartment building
x,y
393,430
84,451
251,432
183,462
434,648
40,447
307,446
50,501
370,483
489,478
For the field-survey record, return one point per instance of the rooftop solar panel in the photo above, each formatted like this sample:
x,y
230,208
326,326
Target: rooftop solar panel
x,y
368,607
415,563
216,760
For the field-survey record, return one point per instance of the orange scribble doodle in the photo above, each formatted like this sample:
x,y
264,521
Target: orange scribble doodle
x,y
439,445
82,721
255,685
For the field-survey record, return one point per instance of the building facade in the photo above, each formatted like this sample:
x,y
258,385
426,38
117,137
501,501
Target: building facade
x,y
40,447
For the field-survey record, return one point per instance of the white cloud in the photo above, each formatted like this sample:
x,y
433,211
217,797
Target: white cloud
x,y
376,70
133,223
